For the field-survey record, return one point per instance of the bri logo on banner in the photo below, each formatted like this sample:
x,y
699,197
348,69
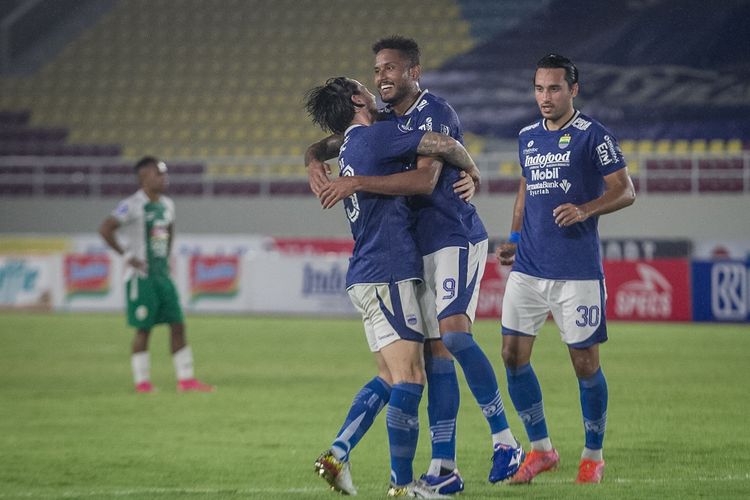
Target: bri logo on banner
x,y
214,276
86,274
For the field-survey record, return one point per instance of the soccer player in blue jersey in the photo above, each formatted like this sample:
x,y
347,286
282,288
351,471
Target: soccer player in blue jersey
x,y
572,172
453,244
383,275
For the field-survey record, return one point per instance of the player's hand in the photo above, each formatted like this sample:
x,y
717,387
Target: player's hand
x,y
568,214
138,264
317,176
336,190
465,187
506,253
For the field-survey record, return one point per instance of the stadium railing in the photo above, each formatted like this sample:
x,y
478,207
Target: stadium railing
x,y
89,176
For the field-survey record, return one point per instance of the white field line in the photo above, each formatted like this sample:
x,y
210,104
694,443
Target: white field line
x,y
308,490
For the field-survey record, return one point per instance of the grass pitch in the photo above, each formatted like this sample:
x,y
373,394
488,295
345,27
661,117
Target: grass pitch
x,y
72,427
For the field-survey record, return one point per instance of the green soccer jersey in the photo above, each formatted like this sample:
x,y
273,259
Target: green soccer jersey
x,y
145,224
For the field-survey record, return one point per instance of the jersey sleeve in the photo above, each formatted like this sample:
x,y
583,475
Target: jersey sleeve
x,y
445,121
396,141
124,212
606,154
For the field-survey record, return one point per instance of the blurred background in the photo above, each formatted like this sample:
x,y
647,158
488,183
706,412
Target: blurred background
x,y
215,88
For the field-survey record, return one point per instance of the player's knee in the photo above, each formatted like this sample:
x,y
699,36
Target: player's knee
x,y
512,358
457,342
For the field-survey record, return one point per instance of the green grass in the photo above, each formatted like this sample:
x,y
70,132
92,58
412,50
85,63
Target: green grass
x,y
71,426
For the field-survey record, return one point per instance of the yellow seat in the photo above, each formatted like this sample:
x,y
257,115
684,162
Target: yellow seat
x,y
716,146
645,146
734,146
698,146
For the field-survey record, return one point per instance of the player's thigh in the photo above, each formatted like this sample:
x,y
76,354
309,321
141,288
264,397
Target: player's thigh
x,y
170,310
426,299
578,307
456,273
142,302
525,305
390,312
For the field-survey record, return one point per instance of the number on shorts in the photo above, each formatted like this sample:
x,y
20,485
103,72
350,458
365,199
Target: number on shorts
x,y
449,285
589,316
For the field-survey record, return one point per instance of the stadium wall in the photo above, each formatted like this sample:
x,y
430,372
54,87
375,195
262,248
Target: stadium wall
x,y
694,217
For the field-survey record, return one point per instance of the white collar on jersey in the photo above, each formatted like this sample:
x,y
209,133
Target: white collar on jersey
x,y
351,127
566,125
416,102
389,109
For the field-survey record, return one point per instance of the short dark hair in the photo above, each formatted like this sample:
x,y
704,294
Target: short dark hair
x,y
331,105
145,162
407,46
558,61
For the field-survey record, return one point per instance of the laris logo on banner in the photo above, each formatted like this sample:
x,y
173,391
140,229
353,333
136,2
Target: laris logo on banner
x,y
86,274
214,276
657,290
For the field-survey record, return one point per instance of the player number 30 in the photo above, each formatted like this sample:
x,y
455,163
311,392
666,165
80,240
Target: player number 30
x,y
590,316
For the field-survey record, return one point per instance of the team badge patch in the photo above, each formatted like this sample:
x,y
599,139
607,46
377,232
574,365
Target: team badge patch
x,y
564,141
141,312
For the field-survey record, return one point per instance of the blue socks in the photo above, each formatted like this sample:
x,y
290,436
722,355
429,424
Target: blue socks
x,y
403,430
366,405
594,397
442,405
526,395
479,376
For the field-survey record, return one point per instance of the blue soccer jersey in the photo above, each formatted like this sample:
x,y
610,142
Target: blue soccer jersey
x,y
443,218
563,166
385,250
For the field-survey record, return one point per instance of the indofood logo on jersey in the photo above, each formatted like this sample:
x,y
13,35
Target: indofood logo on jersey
x,y
86,274
215,276
547,160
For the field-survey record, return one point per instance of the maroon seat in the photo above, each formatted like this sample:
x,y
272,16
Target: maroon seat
x,y
502,186
66,189
240,188
186,188
296,188
720,185
119,189
669,185
16,189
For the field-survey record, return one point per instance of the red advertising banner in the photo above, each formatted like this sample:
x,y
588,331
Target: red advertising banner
x,y
86,274
296,246
655,290
214,276
492,289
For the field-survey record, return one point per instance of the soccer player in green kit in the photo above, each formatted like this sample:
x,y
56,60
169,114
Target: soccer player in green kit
x,y
146,218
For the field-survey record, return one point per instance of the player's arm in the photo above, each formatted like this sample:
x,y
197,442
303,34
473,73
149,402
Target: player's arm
x,y
506,252
619,192
419,181
107,231
315,161
451,151
422,180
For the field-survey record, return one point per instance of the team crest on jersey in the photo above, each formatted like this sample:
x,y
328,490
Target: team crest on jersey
x,y
565,185
122,209
445,130
564,141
